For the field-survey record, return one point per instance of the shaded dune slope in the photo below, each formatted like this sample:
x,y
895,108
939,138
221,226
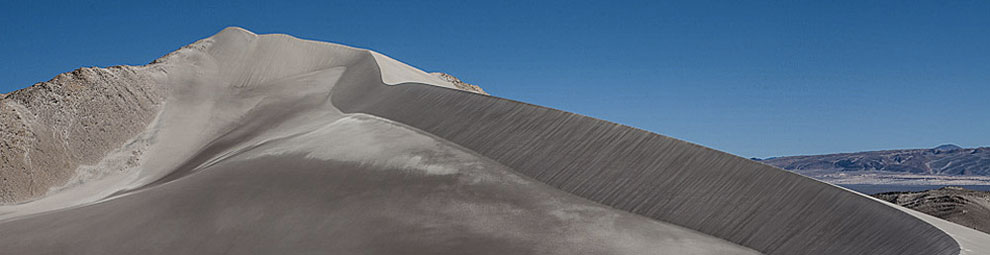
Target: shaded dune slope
x,y
758,206
249,156
271,144
271,200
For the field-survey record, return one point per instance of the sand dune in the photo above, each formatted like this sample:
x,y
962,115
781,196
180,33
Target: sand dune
x,y
266,144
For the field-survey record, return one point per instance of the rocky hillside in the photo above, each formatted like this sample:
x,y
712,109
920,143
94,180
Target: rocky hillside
x,y
965,207
942,160
52,128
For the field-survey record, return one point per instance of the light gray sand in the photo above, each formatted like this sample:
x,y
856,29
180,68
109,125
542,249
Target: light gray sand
x,y
358,185
271,144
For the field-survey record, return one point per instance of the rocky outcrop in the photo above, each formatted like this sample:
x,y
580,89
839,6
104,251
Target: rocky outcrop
x,y
53,127
459,84
965,207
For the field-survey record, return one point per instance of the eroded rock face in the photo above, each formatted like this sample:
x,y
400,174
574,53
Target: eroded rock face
x,y
53,127
969,208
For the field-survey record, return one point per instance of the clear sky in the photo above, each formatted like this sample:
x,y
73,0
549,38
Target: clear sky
x,y
756,79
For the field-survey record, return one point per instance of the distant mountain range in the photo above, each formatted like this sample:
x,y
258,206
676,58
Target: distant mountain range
x,y
921,166
944,165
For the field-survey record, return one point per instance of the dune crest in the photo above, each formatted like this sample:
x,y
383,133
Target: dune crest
x,y
267,144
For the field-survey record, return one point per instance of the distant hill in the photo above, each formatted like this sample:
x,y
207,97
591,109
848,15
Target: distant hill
x,y
965,207
950,160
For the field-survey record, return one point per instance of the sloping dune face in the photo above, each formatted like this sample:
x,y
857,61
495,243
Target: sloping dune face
x,y
270,144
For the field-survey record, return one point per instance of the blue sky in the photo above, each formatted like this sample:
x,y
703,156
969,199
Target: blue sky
x,y
756,79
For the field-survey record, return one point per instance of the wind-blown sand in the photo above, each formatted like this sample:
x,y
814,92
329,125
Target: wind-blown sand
x,y
272,144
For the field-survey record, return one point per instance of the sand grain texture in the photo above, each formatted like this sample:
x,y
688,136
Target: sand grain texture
x,y
261,144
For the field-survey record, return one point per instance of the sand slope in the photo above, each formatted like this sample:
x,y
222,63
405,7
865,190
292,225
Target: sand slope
x,y
271,144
